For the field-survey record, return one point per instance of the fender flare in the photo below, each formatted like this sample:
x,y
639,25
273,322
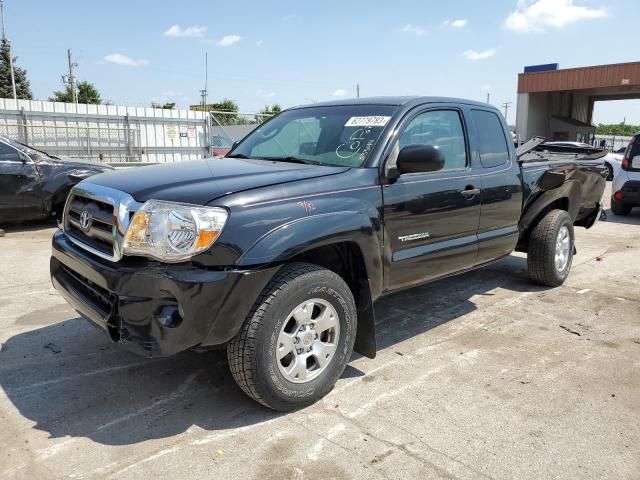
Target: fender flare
x,y
570,189
296,237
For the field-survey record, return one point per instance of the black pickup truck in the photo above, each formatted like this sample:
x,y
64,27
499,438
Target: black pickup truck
x,y
279,250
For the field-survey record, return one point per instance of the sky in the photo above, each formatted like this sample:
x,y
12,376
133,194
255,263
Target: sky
x,y
296,52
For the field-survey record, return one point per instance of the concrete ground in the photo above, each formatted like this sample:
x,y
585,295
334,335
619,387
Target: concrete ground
x,y
483,375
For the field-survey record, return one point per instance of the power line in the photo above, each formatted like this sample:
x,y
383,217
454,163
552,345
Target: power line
x,y
70,79
506,106
203,93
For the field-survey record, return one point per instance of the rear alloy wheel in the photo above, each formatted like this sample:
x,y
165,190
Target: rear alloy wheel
x,y
620,208
550,253
297,340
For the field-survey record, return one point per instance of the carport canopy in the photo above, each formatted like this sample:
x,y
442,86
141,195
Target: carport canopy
x,y
558,104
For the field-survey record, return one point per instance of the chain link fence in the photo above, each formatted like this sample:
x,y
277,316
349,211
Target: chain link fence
x,y
230,127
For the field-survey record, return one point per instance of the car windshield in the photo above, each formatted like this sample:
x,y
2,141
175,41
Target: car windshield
x,y
337,135
33,153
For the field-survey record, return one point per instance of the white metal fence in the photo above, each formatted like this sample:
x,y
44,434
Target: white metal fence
x,y
107,132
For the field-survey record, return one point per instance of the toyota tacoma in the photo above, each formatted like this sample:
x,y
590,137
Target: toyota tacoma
x,y
279,250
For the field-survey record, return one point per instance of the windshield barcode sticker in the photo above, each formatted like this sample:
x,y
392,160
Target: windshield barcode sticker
x,y
371,121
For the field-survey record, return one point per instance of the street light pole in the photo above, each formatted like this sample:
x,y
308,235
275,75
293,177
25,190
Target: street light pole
x,y
4,37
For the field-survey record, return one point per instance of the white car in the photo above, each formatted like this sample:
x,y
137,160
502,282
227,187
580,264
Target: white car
x,y
626,183
613,160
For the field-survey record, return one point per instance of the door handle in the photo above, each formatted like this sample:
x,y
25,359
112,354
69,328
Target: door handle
x,y
470,191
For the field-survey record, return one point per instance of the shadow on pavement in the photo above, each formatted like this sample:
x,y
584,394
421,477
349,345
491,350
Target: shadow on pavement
x,y
71,381
632,219
29,226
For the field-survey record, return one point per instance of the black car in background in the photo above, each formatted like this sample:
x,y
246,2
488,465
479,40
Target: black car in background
x,y
33,184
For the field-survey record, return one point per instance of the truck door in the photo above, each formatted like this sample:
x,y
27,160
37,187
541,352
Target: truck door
x,y
501,198
431,219
20,192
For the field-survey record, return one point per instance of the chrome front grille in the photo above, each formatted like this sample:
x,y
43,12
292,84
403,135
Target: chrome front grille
x,y
96,219
91,222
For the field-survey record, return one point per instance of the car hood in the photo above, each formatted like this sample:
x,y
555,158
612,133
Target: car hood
x,y
63,162
201,181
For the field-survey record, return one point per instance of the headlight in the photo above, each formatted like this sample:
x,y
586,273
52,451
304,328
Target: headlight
x,y
173,232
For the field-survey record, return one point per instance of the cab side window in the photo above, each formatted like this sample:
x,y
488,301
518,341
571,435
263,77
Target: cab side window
x,y
441,129
8,154
492,143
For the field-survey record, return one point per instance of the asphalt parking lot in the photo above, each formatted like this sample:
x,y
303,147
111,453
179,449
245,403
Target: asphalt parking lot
x,y
483,375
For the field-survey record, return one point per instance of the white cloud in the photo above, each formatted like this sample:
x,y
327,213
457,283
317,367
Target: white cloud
x,y
288,18
228,40
263,94
459,23
476,55
414,29
120,59
535,16
259,43
192,31
341,92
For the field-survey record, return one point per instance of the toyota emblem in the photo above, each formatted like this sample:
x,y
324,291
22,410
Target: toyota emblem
x,y
86,218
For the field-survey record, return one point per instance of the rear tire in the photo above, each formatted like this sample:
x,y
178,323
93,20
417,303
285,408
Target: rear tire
x,y
286,379
550,253
620,208
609,171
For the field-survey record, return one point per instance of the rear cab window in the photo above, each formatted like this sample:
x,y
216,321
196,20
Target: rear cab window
x,y
492,142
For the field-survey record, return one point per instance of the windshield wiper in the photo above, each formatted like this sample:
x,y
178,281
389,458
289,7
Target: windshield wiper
x,y
237,155
291,159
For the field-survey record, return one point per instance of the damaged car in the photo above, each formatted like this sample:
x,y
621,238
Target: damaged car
x,y
33,184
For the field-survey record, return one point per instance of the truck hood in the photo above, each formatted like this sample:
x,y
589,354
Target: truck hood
x,y
201,181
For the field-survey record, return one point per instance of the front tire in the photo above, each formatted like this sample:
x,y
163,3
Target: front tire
x,y
297,340
550,253
620,208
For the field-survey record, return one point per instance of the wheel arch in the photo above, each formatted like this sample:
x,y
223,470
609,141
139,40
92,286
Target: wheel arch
x,y
344,242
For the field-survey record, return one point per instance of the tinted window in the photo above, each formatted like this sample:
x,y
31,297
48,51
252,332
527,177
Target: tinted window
x,y
442,129
491,140
8,154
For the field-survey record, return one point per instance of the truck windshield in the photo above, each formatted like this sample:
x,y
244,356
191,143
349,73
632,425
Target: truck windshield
x,y
337,135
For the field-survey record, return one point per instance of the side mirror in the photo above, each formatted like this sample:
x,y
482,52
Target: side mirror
x,y
420,158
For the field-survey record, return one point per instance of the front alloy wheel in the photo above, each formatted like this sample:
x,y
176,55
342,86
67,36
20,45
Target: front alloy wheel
x,y
297,340
308,340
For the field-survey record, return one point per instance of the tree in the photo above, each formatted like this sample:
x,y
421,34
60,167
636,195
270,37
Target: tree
x,y
87,93
227,105
166,106
23,89
619,129
271,110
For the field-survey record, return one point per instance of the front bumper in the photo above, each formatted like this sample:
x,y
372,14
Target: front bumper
x,y
151,308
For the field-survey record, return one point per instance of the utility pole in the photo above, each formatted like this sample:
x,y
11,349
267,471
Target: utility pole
x,y
4,37
506,106
488,97
70,79
203,93
357,90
